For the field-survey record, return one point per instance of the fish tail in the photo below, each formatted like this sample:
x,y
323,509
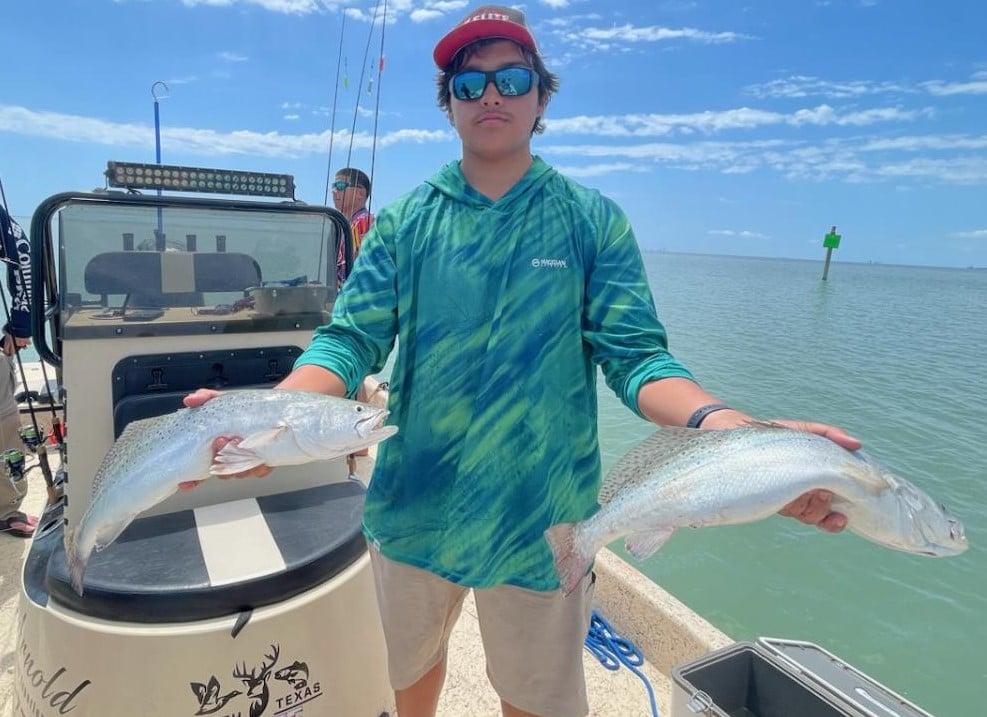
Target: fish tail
x,y
76,562
571,561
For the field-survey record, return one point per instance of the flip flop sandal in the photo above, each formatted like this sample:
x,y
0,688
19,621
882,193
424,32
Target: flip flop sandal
x,y
19,525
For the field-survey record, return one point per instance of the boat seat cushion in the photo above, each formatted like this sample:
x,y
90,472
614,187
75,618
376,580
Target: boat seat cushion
x,y
153,278
171,568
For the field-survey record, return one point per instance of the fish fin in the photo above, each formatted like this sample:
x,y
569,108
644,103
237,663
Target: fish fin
x,y
78,556
643,545
111,532
638,465
77,569
263,438
571,561
759,423
234,458
868,473
76,563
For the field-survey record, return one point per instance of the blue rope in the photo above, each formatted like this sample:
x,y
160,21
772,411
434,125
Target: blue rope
x,y
612,650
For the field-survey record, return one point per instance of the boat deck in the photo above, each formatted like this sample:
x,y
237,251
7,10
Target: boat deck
x,y
467,691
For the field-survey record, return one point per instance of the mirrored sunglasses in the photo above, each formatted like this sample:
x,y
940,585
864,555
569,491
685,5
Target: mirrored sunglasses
x,y
470,85
341,185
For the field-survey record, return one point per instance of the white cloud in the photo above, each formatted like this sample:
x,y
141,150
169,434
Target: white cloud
x,y
596,170
797,86
622,37
953,170
925,143
946,89
851,159
974,234
425,14
654,33
711,122
808,86
288,7
231,57
416,10
204,142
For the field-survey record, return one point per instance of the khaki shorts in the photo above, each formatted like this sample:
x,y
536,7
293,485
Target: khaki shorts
x,y
533,640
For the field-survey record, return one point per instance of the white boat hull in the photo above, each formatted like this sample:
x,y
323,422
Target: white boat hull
x,y
329,660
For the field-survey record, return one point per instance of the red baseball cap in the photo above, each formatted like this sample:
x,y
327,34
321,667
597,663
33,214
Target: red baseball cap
x,y
485,22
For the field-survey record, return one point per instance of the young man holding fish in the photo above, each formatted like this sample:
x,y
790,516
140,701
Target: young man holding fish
x,y
500,279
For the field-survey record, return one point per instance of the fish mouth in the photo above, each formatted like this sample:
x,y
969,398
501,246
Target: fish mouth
x,y
369,425
941,548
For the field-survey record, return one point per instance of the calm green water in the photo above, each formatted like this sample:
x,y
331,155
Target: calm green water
x,y
893,354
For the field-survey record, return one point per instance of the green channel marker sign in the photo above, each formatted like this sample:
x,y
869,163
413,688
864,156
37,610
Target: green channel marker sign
x,y
832,240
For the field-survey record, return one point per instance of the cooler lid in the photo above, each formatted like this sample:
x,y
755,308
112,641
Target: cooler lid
x,y
834,676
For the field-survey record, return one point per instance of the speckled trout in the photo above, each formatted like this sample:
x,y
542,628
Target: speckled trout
x,y
681,477
153,456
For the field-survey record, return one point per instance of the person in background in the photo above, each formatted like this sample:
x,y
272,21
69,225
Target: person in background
x,y
15,250
350,194
504,285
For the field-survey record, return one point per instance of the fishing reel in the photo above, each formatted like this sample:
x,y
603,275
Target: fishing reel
x,y
13,460
32,437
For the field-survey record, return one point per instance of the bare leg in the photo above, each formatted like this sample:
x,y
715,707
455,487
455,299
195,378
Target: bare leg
x,y
422,698
511,711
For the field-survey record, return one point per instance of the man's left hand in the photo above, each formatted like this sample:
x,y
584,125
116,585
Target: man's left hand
x,y
814,507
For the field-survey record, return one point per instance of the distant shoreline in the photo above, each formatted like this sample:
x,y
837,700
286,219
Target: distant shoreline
x,y
812,261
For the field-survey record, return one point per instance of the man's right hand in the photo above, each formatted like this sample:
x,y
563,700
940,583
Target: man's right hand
x,y
197,398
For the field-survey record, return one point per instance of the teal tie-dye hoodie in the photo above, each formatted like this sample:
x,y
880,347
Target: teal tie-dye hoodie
x,y
502,311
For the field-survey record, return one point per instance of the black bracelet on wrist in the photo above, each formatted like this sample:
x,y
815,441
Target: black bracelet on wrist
x,y
699,415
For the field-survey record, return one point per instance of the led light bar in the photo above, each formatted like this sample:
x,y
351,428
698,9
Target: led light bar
x,y
136,175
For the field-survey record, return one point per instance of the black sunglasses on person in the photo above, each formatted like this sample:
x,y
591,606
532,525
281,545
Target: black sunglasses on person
x,y
469,85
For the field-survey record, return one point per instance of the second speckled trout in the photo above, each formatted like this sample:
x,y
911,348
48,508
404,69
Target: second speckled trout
x,y
682,477
152,457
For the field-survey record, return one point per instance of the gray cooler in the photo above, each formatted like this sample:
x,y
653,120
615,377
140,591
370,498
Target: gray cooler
x,y
780,678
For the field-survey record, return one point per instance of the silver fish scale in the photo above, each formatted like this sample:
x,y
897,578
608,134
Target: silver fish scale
x,y
719,478
137,440
239,412
678,452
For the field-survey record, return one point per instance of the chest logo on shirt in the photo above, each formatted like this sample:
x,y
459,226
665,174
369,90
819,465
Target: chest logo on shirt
x,y
549,264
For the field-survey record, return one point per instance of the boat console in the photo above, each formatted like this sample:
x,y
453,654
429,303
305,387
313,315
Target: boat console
x,y
241,596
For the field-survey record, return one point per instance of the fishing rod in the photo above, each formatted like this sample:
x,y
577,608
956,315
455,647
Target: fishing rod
x,y
32,436
380,75
332,114
332,137
363,69
340,61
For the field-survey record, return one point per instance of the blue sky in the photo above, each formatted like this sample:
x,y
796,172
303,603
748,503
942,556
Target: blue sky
x,y
720,126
